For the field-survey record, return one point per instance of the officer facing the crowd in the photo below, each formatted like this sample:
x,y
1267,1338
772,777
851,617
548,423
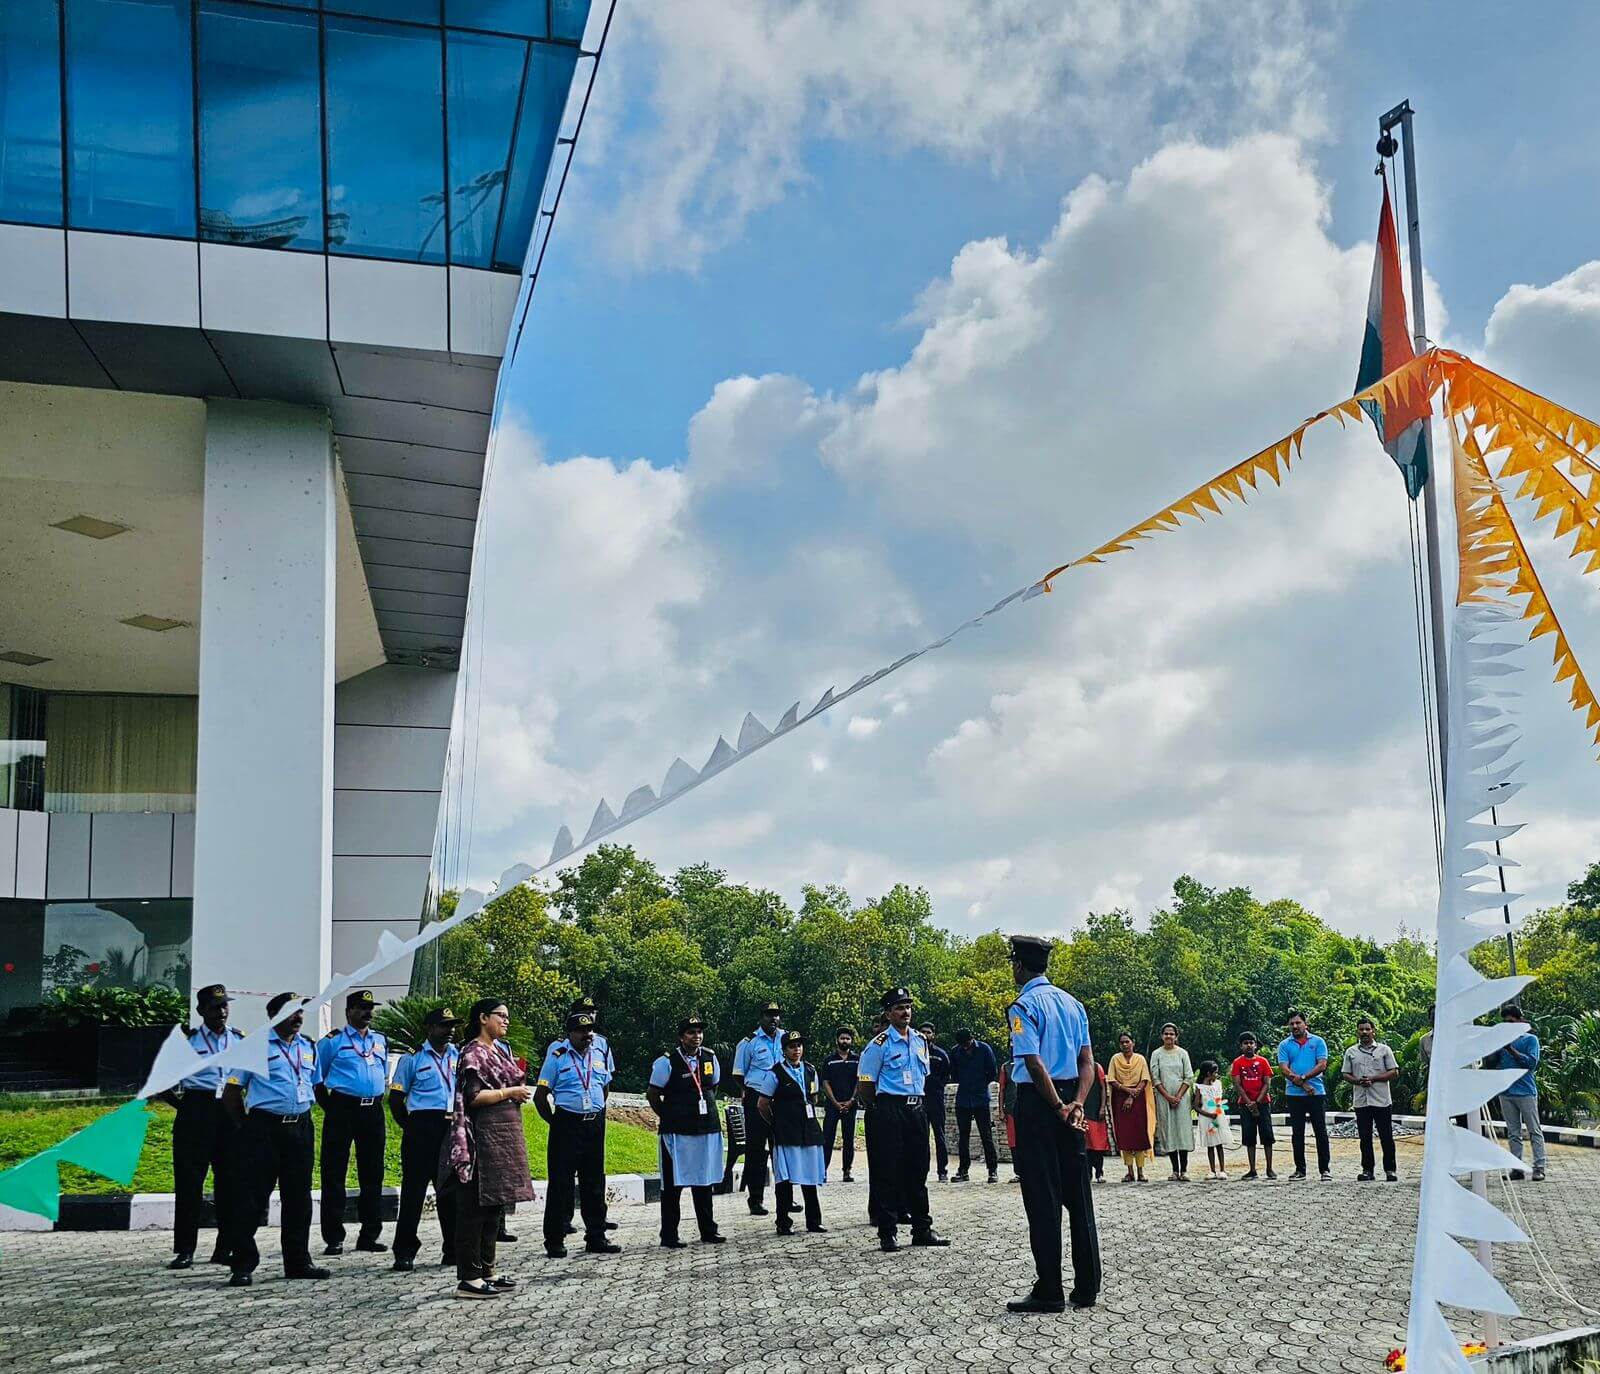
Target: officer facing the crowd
x,y
279,1144
758,1052
353,1069
1054,1070
573,1086
204,1136
893,1073
421,1097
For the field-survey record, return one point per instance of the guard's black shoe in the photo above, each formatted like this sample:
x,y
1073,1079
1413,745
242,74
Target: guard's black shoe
x,y
404,1266
1365,1176
505,1237
757,1210
671,1243
611,1226
220,1256
1391,1178
845,1177
601,1247
181,1262
1298,1173
337,1248
501,1284
961,1177
1248,1176
715,1238
786,1227
372,1247
311,1271
571,1229
994,1176
818,1230
1031,1303
240,1279
929,1238
556,1251
887,1243
1082,1300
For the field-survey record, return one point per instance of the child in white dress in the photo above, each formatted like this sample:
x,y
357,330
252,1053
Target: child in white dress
x,y
1212,1133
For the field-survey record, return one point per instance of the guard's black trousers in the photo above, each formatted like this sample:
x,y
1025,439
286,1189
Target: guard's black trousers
x,y
577,1149
965,1116
345,1122
835,1122
933,1105
671,1200
783,1196
1052,1161
204,1137
897,1157
758,1139
421,1140
284,1150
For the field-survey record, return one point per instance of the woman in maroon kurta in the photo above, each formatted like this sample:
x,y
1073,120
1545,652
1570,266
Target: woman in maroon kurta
x,y
488,1154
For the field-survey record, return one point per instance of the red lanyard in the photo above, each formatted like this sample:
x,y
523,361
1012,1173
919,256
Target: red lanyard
x,y
292,1060
694,1073
585,1074
366,1053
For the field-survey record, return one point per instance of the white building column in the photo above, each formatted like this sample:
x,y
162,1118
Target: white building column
x,y
263,866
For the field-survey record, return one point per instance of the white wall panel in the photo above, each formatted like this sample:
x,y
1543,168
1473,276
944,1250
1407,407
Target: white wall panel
x,y
8,852
368,889
481,308
131,855
391,304
396,695
67,877
183,854
384,824
389,757
133,280
263,291
33,845
33,271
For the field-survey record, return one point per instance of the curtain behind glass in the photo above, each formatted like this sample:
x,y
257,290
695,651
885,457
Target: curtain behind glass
x,y
119,753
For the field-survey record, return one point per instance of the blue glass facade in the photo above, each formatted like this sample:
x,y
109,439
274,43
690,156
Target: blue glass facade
x,y
412,130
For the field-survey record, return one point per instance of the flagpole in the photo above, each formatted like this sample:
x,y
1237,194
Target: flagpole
x,y
1402,115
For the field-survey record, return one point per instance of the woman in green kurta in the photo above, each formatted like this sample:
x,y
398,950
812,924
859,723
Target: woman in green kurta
x,y
1174,1080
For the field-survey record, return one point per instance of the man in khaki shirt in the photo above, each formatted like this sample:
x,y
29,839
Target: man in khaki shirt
x,y
1370,1066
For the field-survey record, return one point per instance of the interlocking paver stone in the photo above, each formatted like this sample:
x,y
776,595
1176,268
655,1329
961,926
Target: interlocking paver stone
x,y
1195,1278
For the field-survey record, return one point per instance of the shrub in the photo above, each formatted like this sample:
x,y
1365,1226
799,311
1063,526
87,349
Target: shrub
x,y
112,1006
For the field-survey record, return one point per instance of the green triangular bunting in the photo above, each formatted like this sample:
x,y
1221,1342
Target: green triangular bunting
x,y
112,1145
33,1186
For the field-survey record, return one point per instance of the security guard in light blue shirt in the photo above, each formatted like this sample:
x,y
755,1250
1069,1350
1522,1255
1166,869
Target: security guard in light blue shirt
x,y
354,1065
892,1074
422,1102
1054,1071
762,1049
279,1146
204,1136
574,1082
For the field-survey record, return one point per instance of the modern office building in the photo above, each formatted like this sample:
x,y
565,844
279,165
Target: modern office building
x,y
257,263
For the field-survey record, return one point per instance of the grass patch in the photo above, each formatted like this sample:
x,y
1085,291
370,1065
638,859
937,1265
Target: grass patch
x,y
25,1130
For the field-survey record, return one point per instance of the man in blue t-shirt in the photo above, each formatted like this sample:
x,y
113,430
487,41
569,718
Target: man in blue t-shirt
x,y
1519,1104
1304,1057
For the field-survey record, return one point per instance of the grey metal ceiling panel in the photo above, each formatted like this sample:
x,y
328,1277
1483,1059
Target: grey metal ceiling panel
x,y
158,358
278,369
402,524
386,458
413,377
387,577
450,625
426,498
434,425
48,352
413,554
410,639
419,603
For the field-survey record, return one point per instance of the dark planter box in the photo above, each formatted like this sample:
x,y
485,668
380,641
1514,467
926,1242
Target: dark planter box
x,y
125,1056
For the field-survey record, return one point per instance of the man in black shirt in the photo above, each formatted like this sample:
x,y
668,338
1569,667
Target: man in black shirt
x,y
972,1063
938,1080
839,1087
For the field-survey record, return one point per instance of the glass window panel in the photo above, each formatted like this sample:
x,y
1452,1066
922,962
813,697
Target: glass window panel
x,y
30,112
119,753
21,748
385,141
409,11
130,116
260,128
485,77
527,17
21,955
567,18
543,100
117,944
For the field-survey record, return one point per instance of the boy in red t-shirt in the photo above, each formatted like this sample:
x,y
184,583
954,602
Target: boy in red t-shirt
x,y
1253,1076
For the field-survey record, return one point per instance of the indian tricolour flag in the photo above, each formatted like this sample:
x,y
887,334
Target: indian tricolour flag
x,y
1386,346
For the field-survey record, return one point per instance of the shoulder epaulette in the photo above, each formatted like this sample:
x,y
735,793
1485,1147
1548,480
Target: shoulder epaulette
x,y
558,1050
882,1039
331,1035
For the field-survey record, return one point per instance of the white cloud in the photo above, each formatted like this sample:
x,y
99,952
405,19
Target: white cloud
x,y
863,727
732,95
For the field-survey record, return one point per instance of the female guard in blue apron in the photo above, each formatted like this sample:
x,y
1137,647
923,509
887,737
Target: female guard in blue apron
x,y
682,1093
789,1094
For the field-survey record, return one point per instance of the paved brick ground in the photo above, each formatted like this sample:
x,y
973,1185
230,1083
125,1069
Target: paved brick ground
x,y
1201,1278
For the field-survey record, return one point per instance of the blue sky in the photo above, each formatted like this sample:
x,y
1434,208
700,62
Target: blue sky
x,y
819,363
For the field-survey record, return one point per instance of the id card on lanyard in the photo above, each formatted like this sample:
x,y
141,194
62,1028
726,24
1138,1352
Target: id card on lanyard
x,y
585,1075
693,1065
805,1096
302,1089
